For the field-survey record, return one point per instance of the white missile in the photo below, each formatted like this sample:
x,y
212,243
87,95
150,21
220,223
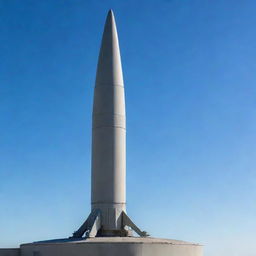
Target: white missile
x,y
109,131
108,192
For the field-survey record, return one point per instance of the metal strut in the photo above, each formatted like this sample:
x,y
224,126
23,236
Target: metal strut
x,y
128,222
92,225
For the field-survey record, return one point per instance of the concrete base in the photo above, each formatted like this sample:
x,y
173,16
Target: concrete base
x,y
112,246
10,252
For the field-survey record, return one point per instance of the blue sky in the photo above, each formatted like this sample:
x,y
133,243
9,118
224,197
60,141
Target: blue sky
x,y
189,70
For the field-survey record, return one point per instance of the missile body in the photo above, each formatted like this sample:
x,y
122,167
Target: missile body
x,y
109,132
108,174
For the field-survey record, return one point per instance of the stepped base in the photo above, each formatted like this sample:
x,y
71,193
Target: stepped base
x,y
112,246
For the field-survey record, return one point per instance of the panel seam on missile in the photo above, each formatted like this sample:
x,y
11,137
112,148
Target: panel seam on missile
x,y
107,203
107,84
108,126
108,113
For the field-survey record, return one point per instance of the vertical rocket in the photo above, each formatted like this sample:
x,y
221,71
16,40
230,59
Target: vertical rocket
x,y
109,131
108,172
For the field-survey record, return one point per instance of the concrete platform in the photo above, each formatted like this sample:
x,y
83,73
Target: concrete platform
x,y
112,246
9,252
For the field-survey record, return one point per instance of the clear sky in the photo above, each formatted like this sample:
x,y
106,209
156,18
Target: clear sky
x,y
189,70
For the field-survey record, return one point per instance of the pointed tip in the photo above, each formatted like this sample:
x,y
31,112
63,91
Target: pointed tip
x,y
110,18
109,69
110,12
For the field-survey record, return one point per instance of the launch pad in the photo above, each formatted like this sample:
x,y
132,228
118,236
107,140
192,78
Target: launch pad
x,y
112,246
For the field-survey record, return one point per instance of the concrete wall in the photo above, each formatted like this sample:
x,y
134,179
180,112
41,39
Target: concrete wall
x,y
10,252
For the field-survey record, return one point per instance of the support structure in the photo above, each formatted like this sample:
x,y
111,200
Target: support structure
x,y
92,227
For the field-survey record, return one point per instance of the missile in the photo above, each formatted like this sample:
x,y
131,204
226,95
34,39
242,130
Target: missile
x,y
109,132
108,171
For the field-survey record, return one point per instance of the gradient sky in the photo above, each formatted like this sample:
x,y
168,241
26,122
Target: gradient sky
x,y
190,72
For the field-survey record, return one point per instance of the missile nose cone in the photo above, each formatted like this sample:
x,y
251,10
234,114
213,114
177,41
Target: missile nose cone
x,y
110,12
109,69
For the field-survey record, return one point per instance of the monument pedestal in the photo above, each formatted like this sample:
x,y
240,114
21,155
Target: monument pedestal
x,y
112,246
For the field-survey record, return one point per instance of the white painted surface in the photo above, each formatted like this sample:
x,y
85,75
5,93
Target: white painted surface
x,y
114,246
109,132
